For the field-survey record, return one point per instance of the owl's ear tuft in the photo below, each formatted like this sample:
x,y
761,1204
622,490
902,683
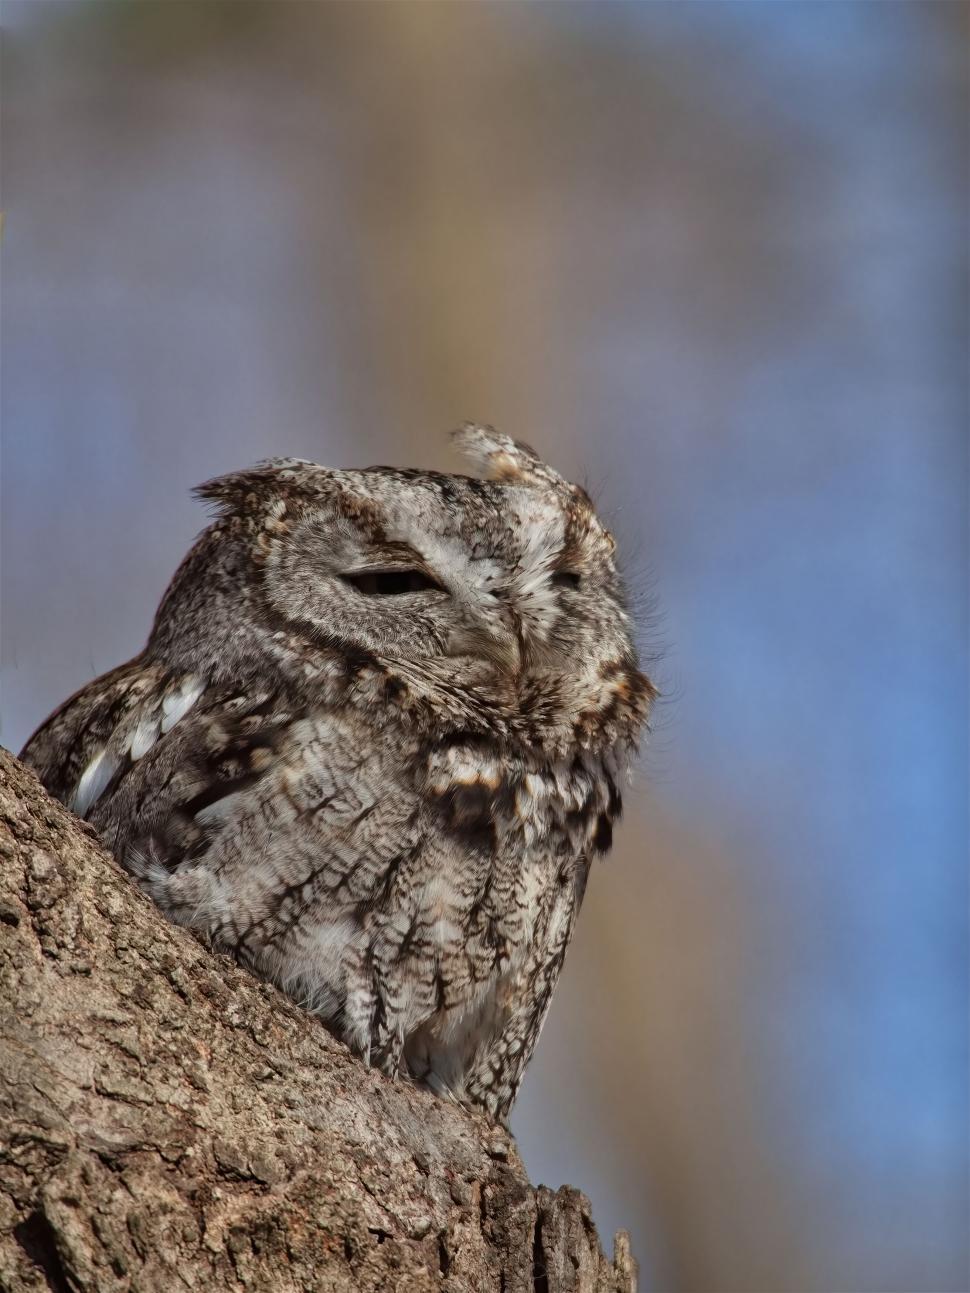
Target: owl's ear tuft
x,y
253,487
499,457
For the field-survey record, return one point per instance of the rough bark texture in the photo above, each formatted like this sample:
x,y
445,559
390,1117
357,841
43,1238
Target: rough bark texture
x,y
169,1122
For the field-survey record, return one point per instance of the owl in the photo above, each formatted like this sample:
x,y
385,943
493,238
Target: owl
x,y
377,735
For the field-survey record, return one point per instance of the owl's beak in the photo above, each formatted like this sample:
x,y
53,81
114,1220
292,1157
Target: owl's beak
x,y
494,641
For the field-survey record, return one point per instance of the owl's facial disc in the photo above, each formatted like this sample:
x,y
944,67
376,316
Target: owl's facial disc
x,y
507,585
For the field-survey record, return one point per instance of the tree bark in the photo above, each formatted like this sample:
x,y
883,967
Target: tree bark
x,y
169,1122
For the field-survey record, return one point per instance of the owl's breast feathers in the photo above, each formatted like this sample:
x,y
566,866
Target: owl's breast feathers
x,y
414,881
491,798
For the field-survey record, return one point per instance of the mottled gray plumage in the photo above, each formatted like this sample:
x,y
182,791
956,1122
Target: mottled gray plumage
x,y
376,736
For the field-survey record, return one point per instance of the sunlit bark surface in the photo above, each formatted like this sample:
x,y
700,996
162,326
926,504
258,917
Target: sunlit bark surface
x,y
167,1121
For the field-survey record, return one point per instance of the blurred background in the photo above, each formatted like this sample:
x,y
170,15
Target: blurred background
x,y
710,259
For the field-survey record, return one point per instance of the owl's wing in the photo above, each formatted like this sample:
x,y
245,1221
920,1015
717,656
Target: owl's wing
x,y
298,841
292,846
81,750
282,805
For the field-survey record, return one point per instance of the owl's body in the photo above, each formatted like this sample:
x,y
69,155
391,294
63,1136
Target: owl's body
x,y
373,743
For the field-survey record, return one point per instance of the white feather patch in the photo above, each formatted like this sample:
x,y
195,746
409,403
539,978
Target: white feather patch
x,y
220,809
176,704
92,782
143,738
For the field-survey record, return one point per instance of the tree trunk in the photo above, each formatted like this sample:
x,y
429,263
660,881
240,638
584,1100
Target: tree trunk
x,y
169,1122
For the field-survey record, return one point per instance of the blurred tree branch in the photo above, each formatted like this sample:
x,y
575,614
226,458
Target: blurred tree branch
x,y
169,1121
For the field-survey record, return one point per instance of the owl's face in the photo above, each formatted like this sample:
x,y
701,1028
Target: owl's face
x,y
507,584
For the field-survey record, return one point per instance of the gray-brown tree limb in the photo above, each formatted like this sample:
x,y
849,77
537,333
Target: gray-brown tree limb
x,y
169,1122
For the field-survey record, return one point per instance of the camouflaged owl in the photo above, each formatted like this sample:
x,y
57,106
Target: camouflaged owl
x,y
375,739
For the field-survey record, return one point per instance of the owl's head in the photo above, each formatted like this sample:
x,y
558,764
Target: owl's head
x,y
504,584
